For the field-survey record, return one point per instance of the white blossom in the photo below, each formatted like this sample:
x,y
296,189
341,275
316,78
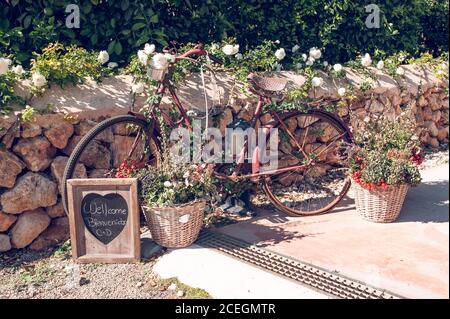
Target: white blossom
x,y
149,48
280,54
143,57
4,65
103,57
337,67
167,184
325,63
315,53
38,80
18,69
342,91
316,81
304,57
170,57
112,65
310,61
277,41
366,60
400,71
380,65
138,88
401,58
295,48
159,61
230,49
238,56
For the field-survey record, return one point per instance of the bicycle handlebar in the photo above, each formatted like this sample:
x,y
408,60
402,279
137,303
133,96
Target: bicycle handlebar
x,y
198,50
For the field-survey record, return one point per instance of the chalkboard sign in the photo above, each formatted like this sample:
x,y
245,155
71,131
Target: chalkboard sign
x,y
104,220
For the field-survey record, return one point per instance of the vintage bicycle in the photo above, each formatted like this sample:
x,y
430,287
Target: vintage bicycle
x,y
311,175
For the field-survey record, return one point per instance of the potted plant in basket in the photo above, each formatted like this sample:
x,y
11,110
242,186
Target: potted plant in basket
x,y
174,196
383,165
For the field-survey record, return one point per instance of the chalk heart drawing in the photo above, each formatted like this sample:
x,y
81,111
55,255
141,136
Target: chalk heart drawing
x,y
104,216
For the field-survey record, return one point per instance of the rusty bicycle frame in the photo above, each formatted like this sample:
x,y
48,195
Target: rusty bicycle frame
x,y
165,85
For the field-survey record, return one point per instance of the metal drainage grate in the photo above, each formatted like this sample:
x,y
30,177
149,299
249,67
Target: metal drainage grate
x,y
312,276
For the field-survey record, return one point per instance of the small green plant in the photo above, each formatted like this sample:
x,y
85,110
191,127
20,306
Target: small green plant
x,y
64,65
8,97
28,115
63,250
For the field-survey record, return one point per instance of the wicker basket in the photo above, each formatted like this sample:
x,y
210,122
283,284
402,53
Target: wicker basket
x,y
175,226
379,206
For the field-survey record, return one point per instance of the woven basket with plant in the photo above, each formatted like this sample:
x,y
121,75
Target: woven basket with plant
x,y
383,165
174,196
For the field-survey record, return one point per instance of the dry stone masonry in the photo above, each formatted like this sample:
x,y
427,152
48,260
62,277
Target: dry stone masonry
x,y
33,154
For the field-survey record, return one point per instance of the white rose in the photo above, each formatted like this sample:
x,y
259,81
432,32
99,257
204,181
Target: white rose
x,y
235,49
38,80
277,41
295,48
4,65
103,57
366,60
337,67
342,91
143,57
310,61
159,61
401,58
138,88
280,54
170,57
228,49
400,71
304,57
316,81
380,65
325,63
167,184
238,56
112,65
315,53
149,48
18,69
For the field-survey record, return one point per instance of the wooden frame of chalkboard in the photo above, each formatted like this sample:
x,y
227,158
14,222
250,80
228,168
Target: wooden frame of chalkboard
x,y
104,220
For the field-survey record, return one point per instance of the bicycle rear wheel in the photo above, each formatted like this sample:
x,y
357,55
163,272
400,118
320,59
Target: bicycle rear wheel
x,y
111,149
314,139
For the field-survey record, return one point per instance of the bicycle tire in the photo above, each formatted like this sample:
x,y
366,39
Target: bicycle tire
x,y
89,137
336,123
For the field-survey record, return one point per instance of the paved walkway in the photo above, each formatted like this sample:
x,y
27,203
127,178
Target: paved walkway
x,y
409,257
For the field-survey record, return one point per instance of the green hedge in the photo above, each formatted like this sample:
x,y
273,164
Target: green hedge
x,y
121,26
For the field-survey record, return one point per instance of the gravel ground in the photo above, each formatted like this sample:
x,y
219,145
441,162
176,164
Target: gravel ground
x,y
435,158
51,273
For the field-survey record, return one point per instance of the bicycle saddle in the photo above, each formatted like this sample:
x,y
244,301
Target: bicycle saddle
x,y
267,86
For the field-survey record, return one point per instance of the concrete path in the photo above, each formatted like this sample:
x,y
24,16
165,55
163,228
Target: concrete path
x,y
409,257
226,277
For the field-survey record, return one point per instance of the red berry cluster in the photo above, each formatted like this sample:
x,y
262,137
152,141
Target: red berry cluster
x,y
127,169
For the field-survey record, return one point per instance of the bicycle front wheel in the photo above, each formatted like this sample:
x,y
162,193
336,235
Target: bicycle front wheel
x,y
314,140
110,149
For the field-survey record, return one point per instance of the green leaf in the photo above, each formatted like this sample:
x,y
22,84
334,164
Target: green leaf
x,y
124,5
111,46
154,18
138,26
27,22
118,48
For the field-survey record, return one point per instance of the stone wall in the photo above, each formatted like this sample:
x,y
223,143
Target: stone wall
x,y
33,155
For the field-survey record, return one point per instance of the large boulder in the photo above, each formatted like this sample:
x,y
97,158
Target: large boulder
x,y
57,232
32,191
6,220
36,152
84,127
57,168
58,133
5,243
30,129
10,167
28,227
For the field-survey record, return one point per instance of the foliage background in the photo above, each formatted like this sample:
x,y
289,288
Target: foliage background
x,y
121,26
